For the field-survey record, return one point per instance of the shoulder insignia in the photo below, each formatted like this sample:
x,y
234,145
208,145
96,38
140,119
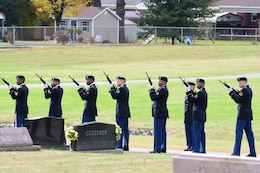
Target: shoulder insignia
x,y
240,94
195,96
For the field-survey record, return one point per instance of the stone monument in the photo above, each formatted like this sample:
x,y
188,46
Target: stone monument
x,y
206,163
95,136
46,131
16,139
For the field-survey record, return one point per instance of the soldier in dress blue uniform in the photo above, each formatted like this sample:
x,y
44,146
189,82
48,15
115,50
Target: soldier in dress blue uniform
x,y
55,93
245,116
90,95
188,104
200,102
121,94
160,114
20,94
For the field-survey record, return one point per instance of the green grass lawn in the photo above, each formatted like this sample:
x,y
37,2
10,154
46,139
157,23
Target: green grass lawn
x,y
132,62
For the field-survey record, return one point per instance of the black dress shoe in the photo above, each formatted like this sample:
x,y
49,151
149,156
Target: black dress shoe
x,y
251,155
187,149
233,154
154,151
126,149
190,149
163,151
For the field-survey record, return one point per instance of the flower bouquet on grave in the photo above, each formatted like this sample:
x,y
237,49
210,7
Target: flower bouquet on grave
x,y
72,135
118,131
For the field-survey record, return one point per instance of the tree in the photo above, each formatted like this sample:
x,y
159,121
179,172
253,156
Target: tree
x,y
120,11
12,11
96,3
47,10
175,12
18,12
28,15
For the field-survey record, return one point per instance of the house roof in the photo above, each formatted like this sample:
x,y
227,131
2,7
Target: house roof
x,y
243,6
129,4
244,3
89,13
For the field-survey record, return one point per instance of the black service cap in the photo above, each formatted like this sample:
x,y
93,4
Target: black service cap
x,y
90,77
191,83
241,79
163,78
200,80
120,77
20,77
55,79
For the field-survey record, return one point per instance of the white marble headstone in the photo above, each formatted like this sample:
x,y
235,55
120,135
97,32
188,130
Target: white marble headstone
x,y
205,163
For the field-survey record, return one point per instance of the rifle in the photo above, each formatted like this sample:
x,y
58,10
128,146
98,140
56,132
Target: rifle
x,y
74,80
7,83
43,81
184,82
226,85
149,79
109,80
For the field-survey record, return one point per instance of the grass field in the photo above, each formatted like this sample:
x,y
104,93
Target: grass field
x,y
131,62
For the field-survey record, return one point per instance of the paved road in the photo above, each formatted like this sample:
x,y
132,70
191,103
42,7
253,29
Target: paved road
x,y
40,85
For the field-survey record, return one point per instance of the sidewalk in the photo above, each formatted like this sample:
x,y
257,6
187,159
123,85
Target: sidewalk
x,y
176,152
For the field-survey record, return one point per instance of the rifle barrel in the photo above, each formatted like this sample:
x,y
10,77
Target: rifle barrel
x,y
7,83
149,79
184,82
74,80
43,81
108,79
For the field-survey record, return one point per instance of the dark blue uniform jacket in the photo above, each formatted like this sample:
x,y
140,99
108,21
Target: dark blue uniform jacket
x,y
20,95
243,98
55,94
90,95
200,102
122,97
188,104
159,98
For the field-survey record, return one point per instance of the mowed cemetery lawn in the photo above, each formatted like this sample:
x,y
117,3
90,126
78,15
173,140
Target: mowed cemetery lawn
x,y
132,62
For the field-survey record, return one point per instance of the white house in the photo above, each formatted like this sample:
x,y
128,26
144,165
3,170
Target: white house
x,y
98,24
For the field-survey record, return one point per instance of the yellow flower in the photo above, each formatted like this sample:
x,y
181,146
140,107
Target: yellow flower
x,y
71,134
118,131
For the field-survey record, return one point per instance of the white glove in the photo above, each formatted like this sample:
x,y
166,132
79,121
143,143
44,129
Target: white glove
x,y
230,89
46,85
10,86
188,88
151,87
111,85
79,86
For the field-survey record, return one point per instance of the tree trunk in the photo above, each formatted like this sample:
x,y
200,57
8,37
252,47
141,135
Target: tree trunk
x,y
120,11
96,3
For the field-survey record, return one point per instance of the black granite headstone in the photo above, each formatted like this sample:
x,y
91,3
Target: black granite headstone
x,y
95,136
46,131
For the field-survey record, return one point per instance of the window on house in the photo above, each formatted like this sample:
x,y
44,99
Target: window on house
x,y
253,17
63,24
85,26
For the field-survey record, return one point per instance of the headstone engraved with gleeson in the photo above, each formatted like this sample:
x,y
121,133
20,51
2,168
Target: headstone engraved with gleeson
x,y
95,136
